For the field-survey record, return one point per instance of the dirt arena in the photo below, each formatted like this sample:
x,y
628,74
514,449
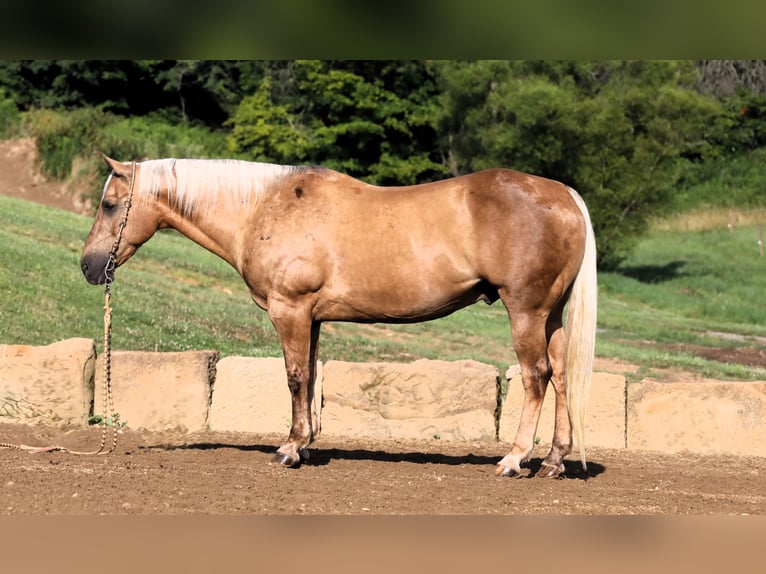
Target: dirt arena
x,y
231,474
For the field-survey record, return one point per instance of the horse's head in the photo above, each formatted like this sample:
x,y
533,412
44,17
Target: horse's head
x,y
140,225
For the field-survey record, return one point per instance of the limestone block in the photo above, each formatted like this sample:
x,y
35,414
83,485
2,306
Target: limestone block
x,y
251,395
425,399
159,391
51,384
604,422
707,417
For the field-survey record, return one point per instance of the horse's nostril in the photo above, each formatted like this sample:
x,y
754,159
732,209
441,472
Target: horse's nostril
x,y
84,267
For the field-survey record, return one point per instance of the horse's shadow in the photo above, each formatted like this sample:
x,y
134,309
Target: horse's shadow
x,y
654,274
323,456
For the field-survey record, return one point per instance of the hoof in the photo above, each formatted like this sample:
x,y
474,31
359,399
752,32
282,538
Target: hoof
x,y
285,460
503,470
550,470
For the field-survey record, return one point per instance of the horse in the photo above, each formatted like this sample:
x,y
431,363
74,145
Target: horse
x,y
315,245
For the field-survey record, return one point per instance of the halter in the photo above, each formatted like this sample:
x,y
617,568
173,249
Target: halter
x,y
111,262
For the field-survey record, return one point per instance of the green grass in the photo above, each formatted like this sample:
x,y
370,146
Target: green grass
x,y
677,287
684,287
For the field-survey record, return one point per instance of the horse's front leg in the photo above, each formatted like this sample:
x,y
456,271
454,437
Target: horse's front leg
x,y
299,336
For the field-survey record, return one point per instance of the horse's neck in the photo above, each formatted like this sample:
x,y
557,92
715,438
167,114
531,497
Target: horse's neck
x,y
210,201
214,227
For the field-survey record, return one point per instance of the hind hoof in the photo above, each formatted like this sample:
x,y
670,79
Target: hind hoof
x,y
550,471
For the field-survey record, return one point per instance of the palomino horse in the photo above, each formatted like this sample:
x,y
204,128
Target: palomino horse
x,y
314,245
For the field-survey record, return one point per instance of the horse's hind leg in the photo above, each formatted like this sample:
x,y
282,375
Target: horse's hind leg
x,y
561,445
530,343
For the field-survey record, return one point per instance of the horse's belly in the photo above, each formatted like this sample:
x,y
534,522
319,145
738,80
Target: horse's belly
x,y
397,303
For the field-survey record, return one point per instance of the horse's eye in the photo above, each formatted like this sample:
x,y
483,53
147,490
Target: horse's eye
x,y
108,206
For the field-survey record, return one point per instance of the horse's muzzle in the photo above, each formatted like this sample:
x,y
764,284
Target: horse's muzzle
x,y
94,268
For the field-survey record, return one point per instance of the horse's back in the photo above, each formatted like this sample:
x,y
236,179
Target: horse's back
x,y
499,221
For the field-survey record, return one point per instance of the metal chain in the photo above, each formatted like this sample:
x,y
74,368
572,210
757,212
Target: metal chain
x,y
108,402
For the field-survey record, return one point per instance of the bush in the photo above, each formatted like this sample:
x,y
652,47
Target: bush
x,y
10,118
76,138
735,181
62,136
152,137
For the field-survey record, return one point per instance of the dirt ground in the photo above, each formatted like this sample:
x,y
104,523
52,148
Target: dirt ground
x,y
20,177
231,474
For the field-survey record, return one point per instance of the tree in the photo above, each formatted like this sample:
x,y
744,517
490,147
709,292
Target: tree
x,y
67,83
206,91
183,91
269,132
373,120
616,131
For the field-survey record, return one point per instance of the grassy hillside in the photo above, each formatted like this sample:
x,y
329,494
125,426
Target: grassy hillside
x,y
680,287
686,289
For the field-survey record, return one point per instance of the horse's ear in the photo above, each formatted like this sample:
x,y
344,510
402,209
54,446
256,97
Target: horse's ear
x,y
117,167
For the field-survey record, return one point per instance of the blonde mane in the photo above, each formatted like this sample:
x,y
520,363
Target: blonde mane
x,y
194,185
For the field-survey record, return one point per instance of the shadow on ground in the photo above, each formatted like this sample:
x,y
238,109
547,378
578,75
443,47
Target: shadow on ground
x,y
323,456
653,274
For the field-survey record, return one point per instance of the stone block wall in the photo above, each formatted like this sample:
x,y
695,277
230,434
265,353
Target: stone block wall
x,y
424,399
51,384
710,417
159,391
60,384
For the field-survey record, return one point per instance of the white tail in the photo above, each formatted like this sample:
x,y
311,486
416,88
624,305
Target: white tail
x,y
581,333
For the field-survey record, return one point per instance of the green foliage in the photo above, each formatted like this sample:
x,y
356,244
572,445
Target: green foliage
x,y
150,137
37,84
82,134
187,91
9,115
267,131
733,181
367,119
616,131
63,136
741,125
113,422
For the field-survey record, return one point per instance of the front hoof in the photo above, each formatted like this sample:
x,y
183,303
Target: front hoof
x,y
550,470
285,459
508,471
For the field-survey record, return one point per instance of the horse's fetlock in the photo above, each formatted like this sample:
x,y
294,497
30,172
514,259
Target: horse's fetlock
x,y
564,448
